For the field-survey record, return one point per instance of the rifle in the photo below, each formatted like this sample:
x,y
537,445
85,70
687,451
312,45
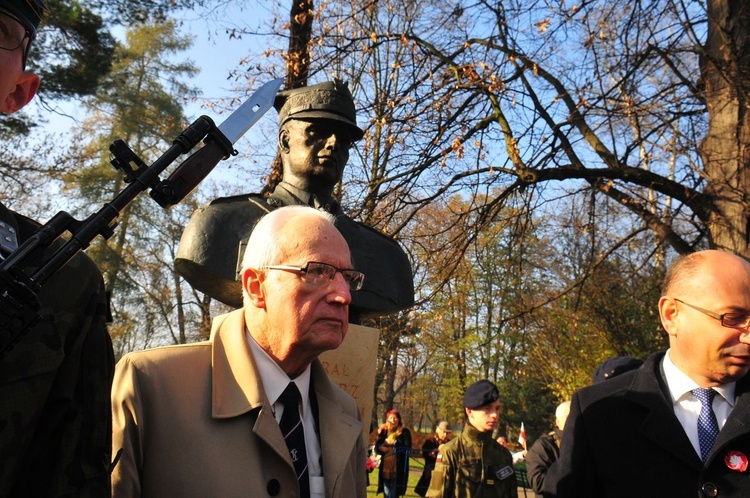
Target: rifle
x,y
19,290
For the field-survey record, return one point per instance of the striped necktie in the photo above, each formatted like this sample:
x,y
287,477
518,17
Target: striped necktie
x,y
294,435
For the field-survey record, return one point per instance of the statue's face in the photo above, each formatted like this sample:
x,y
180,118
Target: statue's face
x,y
314,153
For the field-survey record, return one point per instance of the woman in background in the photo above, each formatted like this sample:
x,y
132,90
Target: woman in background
x,y
394,445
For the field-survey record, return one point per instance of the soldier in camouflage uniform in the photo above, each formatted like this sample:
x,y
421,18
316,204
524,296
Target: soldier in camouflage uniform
x,y
55,380
474,465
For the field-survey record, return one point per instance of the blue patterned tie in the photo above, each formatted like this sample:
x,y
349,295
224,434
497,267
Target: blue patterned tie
x,y
294,435
708,429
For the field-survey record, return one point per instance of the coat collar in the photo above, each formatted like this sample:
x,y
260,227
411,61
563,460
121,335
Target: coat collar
x,y
236,385
237,389
649,390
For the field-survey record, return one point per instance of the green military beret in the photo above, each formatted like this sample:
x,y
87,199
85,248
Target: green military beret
x,y
480,393
329,100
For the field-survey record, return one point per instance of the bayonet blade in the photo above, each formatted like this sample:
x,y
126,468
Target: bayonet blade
x,y
250,111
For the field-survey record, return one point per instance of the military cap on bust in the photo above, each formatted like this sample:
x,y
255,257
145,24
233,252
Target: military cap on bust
x,y
329,100
29,12
480,393
614,367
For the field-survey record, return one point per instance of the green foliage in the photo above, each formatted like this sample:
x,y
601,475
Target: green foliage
x,y
140,101
75,47
526,398
597,307
128,12
73,51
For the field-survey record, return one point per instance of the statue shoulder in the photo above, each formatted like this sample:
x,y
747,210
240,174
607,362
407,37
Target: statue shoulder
x,y
255,198
247,206
388,285
350,227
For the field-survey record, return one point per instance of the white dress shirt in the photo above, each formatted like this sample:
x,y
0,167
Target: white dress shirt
x,y
275,381
687,407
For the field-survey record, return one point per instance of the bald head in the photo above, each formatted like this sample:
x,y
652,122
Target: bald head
x,y
685,276
561,414
264,240
699,289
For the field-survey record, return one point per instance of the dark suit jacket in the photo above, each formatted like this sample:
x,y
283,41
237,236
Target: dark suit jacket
x,y
622,439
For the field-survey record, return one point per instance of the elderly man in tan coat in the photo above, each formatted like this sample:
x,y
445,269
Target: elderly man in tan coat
x,y
211,418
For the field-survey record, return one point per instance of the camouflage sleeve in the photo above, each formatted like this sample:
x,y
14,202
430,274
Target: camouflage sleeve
x,y
443,478
55,424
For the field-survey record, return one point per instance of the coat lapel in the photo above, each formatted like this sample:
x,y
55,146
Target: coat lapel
x,y
236,384
659,423
736,426
339,432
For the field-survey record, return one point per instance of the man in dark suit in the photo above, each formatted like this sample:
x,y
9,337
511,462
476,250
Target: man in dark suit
x,y
679,425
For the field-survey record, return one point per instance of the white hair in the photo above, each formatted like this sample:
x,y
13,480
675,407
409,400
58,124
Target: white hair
x,y
561,414
262,247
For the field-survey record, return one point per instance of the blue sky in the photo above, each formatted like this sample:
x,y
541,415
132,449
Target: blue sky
x,y
216,55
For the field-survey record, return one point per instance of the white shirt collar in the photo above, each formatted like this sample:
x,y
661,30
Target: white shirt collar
x,y
274,378
680,384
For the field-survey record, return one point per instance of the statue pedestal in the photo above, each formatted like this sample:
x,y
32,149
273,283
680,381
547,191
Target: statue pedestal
x,y
352,366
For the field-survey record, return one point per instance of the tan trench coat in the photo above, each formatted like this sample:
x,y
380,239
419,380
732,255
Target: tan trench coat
x,y
193,421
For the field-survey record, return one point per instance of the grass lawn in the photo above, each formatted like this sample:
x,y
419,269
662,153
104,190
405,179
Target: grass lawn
x,y
415,471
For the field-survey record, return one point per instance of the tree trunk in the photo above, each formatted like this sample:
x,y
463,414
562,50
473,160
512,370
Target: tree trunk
x,y
725,69
297,66
300,32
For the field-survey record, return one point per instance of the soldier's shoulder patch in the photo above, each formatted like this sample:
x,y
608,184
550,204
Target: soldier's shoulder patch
x,y
504,473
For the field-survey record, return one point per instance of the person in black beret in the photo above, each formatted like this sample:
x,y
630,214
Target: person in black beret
x,y
55,377
474,464
615,366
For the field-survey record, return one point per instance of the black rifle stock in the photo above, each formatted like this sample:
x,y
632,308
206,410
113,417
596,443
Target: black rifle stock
x,y
19,290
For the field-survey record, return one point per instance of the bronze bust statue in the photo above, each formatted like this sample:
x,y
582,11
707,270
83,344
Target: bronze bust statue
x,y
317,126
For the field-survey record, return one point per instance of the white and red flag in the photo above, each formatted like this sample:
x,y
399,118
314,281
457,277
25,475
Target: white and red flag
x,y
522,437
